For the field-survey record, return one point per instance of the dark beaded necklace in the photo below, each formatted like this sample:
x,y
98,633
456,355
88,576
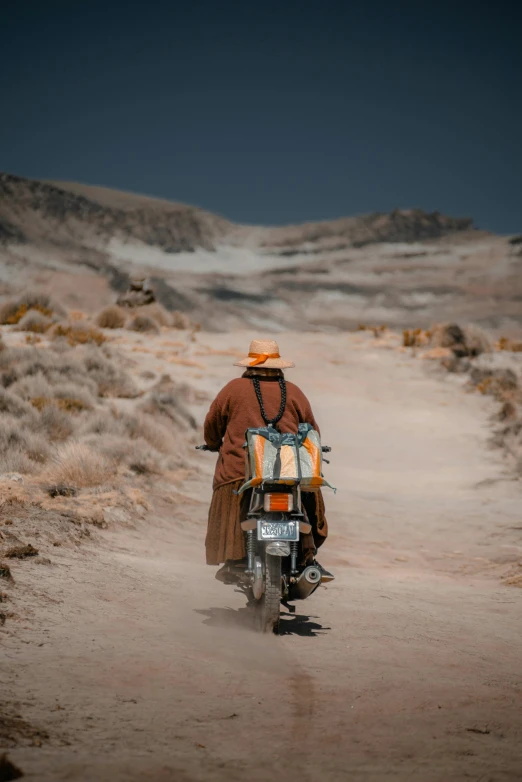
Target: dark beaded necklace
x,y
257,388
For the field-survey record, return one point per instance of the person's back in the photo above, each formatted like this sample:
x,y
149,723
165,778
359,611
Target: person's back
x,y
237,409
259,398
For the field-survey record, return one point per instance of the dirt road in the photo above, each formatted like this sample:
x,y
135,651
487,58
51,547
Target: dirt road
x,y
140,666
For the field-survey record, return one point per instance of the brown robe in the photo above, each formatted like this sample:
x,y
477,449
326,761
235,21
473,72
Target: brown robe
x,y
233,411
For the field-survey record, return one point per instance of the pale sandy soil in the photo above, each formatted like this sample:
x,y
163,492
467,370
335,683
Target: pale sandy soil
x,y
140,666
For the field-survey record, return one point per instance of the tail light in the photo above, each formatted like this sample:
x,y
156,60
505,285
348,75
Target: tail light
x,y
278,502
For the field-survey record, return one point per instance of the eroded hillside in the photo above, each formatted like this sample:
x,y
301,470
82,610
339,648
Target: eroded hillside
x,y
404,268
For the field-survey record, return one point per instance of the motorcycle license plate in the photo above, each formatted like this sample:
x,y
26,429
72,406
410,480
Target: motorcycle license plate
x,y
278,530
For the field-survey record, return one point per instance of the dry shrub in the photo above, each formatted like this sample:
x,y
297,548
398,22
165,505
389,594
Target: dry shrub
x,y
22,312
183,392
464,341
143,426
5,572
143,323
505,343
21,551
157,312
41,402
87,367
76,375
47,384
60,347
56,424
3,346
76,464
9,372
515,580
509,436
15,363
41,301
137,454
71,404
500,383
138,441
137,496
65,394
111,318
32,387
17,441
144,460
61,490
112,381
414,338
58,369
76,315
68,404
9,310
35,321
15,460
74,395
102,423
377,331
12,405
12,495
508,412
170,406
129,427
476,340
180,321
13,310
78,333
112,447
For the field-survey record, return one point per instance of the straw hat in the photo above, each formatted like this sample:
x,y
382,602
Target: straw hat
x,y
264,353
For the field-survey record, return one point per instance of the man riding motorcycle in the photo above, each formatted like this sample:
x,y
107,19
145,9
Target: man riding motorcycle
x,y
260,397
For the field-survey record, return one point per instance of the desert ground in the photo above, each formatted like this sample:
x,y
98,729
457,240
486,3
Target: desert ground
x,y
121,657
124,659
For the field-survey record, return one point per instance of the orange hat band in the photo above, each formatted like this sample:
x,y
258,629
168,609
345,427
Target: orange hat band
x,y
260,358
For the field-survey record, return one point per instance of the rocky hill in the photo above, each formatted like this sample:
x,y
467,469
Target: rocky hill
x,y
401,225
48,213
404,268
68,213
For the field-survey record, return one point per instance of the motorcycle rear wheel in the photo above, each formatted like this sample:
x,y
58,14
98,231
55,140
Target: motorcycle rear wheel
x,y
269,608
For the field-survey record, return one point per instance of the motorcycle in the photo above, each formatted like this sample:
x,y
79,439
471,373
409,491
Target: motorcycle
x,y
271,575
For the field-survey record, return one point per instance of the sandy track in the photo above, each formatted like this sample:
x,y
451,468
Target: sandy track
x,y
141,666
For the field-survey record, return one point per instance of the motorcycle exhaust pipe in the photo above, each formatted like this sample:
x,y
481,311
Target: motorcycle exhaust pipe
x,y
307,583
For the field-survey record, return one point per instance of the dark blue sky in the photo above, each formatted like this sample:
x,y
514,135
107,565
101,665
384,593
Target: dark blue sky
x,y
273,112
